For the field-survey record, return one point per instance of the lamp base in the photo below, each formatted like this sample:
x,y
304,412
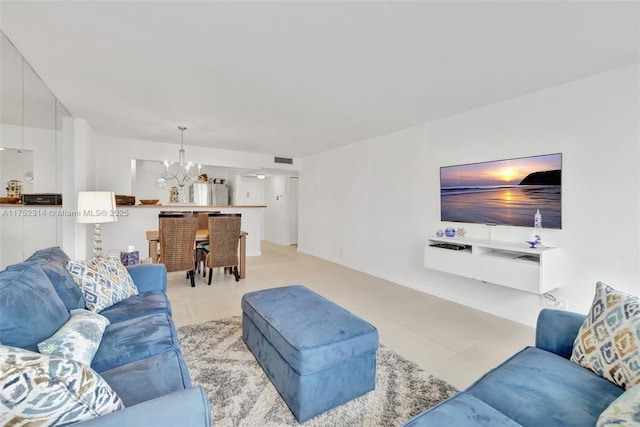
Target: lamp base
x,y
97,240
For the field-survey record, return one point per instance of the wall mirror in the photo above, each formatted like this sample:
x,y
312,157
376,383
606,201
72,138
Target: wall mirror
x,y
16,165
33,129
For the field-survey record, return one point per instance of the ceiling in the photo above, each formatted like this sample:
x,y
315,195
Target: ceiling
x,y
295,78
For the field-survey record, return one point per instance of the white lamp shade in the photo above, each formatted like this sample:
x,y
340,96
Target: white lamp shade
x,y
95,207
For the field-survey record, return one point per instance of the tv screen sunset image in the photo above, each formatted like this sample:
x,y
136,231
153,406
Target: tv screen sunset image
x,y
504,192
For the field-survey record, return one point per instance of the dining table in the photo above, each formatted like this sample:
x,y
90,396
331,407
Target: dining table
x,y
202,235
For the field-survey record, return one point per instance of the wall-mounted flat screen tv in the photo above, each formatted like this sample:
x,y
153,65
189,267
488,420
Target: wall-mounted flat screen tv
x,y
503,192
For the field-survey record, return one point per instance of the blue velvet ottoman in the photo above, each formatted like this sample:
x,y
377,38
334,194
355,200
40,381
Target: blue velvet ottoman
x,y
316,354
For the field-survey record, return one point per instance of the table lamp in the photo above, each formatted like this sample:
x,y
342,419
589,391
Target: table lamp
x,y
96,207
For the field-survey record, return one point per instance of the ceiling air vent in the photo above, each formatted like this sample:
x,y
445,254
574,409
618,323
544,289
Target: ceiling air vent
x,y
283,160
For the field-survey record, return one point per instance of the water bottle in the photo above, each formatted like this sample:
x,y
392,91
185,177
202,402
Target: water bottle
x,y
537,219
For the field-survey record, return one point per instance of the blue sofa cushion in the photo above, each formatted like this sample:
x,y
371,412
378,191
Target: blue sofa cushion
x,y
135,339
164,373
462,410
535,387
181,408
30,308
148,277
137,306
556,330
53,254
52,261
280,315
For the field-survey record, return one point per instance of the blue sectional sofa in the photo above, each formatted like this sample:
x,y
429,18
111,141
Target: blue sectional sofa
x,y
139,355
538,386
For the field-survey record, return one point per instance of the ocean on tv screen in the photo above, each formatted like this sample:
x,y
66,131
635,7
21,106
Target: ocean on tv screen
x,y
504,192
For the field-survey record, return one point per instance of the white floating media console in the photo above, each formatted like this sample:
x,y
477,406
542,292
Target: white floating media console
x,y
515,265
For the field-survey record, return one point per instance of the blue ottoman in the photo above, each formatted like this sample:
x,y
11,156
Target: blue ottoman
x,y
316,354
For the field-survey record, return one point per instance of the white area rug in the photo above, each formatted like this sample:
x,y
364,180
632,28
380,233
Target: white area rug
x,y
241,394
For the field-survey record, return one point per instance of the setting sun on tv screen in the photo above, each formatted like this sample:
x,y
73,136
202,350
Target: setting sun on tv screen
x,y
503,192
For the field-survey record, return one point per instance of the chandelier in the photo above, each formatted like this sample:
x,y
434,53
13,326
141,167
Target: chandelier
x,y
182,174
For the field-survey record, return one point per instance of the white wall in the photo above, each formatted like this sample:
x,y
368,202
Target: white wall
x,y
249,191
113,169
371,205
147,172
113,173
79,164
280,215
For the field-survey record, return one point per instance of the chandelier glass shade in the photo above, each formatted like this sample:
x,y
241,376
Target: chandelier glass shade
x,y
179,172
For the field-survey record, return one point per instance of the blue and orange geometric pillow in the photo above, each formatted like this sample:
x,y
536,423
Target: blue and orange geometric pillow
x,y
104,281
608,342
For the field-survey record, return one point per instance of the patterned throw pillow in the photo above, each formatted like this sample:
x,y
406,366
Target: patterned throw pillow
x,y
624,411
607,342
78,339
104,281
37,389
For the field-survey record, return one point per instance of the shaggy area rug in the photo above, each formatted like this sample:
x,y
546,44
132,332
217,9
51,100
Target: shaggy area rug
x,y
241,394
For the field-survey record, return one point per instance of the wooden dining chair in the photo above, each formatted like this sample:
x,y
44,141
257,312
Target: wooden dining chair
x,y
224,233
177,242
202,248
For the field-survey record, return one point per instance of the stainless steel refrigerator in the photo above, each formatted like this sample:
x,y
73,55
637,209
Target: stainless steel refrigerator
x,y
209,194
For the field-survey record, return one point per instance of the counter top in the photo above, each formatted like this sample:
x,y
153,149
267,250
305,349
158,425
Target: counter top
x,y
20,205
181,206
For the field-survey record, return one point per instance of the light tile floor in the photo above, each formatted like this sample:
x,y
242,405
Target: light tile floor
x,y
451,341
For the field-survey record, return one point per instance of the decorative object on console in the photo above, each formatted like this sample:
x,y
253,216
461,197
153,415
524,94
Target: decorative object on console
x,y
440,233
173,195
537,219
14,188
536,241
121,199
450,232
96,207
150,201
607,342
10,200
460,232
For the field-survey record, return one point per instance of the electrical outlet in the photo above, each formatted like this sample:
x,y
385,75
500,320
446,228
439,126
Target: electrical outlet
x,y
553,302
248,194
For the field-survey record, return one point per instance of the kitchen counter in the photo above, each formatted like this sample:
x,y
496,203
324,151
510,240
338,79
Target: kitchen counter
x,y
134,220
181,206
